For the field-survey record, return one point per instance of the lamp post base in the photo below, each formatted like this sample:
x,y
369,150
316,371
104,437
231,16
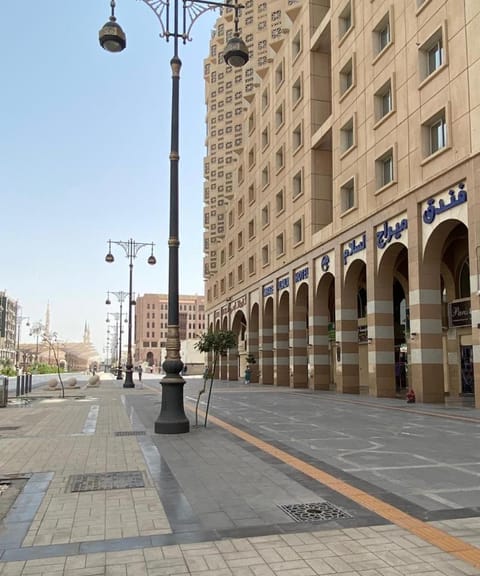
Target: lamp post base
x,y
129,378
172,418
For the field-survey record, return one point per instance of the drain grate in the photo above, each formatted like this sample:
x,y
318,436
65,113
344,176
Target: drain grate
x,y
315,512
131,433
105,481
7,428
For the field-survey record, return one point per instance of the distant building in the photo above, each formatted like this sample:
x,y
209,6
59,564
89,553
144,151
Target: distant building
x,y
151,320
8,321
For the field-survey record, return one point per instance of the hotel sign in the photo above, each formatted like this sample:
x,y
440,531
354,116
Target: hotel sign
x,y
459,313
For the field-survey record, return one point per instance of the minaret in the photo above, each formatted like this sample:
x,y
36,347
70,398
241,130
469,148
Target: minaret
x,y
86,334
47,319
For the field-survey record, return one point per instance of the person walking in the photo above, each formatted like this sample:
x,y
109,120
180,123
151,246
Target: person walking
x,y
140,370
248,374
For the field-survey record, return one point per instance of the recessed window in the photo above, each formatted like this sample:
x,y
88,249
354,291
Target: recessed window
x,y
297,90
240,206
280,159
251,157
382,36
222,286
251,194
297,184
265,99
251,265
240,174
266,215
230,219
222,257
279,116
280,201
435,133
345,20
347,136
279,74
251,229
347,195
280,245
265,176
383,104
384,169
296,45
240,240
297,137
346,77
240,273
251,123
298,232
230,279
230,249
265,137
265,255
432,55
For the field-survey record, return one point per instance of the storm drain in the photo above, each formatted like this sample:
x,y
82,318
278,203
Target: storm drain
x,y
316,512
131,433
105,481
8,428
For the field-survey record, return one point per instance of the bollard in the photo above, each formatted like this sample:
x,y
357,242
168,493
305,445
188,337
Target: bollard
x,y
17,391
5,393
29,376
22,385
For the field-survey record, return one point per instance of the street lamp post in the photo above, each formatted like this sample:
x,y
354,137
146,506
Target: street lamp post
x,y
20,319
172,418
131,249
120,296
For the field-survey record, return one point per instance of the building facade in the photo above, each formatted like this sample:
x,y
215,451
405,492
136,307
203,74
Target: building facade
x,y
151,320
341,245
8,329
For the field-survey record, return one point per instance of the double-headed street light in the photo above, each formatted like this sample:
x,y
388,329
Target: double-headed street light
x,y
20,319
120,295
131,249
172,418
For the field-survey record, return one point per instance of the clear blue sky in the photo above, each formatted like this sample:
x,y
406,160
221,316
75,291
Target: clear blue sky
x,y
84,145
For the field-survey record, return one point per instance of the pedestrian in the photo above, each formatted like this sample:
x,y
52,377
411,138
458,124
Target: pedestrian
x,y
140,370
248,374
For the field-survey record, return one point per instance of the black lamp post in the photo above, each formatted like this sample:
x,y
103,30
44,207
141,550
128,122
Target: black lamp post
x,y
20,319
172,418
117,340
131,248
120,296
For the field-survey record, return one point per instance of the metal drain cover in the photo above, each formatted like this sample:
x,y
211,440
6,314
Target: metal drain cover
x,y
131,433
315,512
106,481
7,428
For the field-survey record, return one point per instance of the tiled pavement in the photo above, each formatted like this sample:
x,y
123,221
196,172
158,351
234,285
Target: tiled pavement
x,y
178,522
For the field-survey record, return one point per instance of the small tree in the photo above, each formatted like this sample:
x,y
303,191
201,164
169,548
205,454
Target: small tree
x,y
52,342
218,343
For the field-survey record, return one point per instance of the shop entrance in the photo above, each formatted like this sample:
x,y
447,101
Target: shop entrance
x,y
466,367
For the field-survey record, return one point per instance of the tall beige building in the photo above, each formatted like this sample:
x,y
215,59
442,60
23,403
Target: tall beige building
x,y
151,319
341,228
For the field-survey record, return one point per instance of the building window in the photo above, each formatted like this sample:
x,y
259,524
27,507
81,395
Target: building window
x,y
230,279
383,103
280,201
435,132
280,116
240,240
347,136
297,90
432,55
240,206
265,100
230,249
251,157
265,176
240,273
230,219
222,257
265,255
251,194
222,286
296,45
266,215
298,232
297,184
347,195
251,265
265,137
251,123
346,77
280,159
279,75
297,137
280,245
384,169
251,229
345,20
382,36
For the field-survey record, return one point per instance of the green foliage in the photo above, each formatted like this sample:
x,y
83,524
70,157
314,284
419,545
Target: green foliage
x,y
8,371
250,358
43,368
217,342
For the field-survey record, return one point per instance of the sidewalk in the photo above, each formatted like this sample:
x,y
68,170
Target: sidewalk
x,y
93,491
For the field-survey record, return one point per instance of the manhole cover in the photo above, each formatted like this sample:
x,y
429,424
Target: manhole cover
x,y
105,481
316,512
131,433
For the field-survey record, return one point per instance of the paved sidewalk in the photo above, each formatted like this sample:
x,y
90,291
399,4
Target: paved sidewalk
x,y
94,491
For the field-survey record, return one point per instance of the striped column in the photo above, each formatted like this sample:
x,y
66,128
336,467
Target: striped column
x,y
266,344
320,357
299,339
347,342
381,349
281,352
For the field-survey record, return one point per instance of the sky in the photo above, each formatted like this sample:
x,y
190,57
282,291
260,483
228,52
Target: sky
x,y
84,158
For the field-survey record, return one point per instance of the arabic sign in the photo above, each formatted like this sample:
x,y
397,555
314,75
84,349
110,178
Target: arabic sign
x,y
459,313
283,283
363,334
325,263
301,275
353,247
386,233
431,211
268,290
